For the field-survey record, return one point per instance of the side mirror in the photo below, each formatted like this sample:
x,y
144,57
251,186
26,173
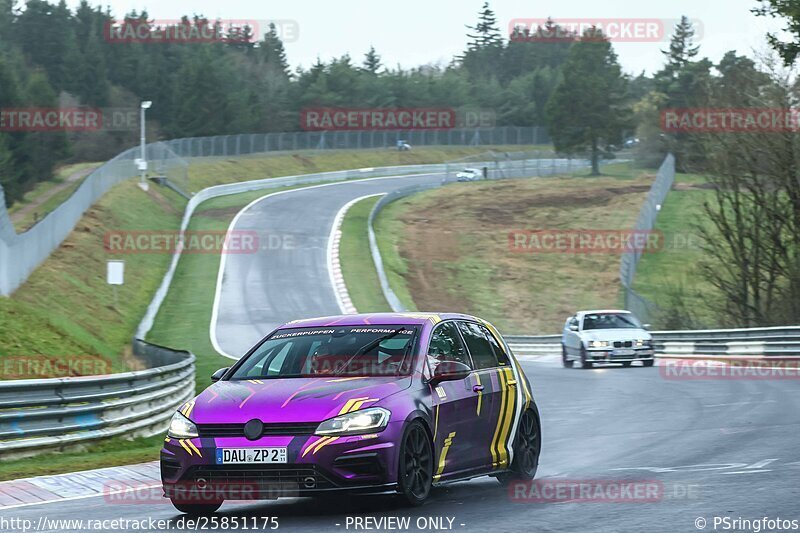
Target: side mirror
x,y
573,327
646,326
216,376
450,371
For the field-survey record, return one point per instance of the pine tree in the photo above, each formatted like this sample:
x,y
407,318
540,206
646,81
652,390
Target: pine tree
x,y
486,33
372,61
682,49
586,110
273,54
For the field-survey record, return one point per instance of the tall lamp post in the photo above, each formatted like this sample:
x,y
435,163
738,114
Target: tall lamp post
x,y
143,157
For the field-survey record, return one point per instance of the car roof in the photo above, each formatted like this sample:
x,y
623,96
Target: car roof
x,y
600,311
366,319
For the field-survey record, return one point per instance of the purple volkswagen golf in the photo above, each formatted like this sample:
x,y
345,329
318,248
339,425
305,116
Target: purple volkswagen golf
x,y
367,403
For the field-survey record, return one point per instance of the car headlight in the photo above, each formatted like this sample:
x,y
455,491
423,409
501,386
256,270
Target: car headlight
x,y
598,344
369,420
642,342
181,427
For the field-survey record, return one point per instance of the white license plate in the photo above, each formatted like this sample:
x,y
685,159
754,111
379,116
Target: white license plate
x,y
234,456
623,352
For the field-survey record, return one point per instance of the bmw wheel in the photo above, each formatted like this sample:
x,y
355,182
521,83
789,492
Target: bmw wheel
x,y
585,363
415,472
566,362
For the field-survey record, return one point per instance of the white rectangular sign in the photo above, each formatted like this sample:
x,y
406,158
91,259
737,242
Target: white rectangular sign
x,y
115,272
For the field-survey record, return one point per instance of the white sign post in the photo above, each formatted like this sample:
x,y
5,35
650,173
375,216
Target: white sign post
x,y
115,275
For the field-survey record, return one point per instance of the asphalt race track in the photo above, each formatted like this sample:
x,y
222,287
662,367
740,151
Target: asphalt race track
x,y
288,278
719,448
715,447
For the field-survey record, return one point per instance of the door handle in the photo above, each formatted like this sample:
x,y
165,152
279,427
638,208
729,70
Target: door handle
x,y
477,388
512,382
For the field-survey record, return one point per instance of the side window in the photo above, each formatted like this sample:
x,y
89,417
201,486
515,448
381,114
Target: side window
x,y
446,346
480,349
500,353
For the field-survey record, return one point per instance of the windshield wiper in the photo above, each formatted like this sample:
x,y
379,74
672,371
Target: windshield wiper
x,y
367,347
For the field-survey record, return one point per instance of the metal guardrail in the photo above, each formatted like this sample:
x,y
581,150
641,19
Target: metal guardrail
x,y
641,306
752,342
42,414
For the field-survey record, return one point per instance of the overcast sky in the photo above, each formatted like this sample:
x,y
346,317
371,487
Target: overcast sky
x,y
416,32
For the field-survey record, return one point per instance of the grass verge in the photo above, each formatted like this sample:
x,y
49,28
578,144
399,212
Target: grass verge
x,y
358,269
671,278
449,247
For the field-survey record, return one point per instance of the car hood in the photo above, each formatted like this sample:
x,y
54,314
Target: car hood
x,y
291,400
615,334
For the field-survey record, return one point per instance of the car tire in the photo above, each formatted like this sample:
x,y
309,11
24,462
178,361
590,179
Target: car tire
x,y
564,361
585,363
648,362
197,509
527,448
415,465
626,364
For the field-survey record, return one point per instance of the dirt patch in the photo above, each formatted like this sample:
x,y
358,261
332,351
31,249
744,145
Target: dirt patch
x,y
456,246
220,213
693,187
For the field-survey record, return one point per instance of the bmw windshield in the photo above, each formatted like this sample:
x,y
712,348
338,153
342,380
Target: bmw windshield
x,y
610,321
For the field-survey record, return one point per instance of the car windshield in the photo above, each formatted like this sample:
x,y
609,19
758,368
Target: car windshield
x,y
331,351
610,321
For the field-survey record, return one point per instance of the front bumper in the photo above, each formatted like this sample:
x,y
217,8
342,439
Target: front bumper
x,y
617,355
364,463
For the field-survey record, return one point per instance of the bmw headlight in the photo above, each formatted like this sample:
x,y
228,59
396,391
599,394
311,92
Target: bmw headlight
x,y
642,342
598,344
181,427
369,420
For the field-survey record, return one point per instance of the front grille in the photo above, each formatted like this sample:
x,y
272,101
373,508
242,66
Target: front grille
x,y
623,344
237,430
283,477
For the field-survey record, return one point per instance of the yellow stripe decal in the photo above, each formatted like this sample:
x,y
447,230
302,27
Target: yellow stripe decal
x,y
318,448
314,444
183,445
499,417
447,442
349,404
508,419
436,422
193,447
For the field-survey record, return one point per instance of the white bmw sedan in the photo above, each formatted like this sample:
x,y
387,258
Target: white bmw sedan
x,y
605,336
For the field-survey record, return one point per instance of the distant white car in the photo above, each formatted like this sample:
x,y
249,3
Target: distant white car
x,y
605,336
469,174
